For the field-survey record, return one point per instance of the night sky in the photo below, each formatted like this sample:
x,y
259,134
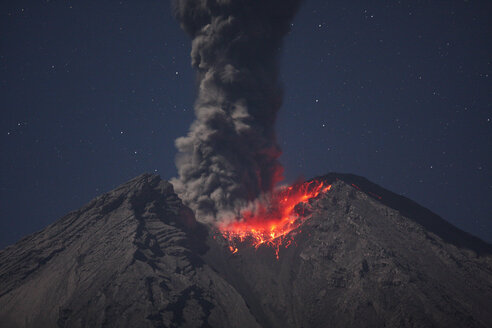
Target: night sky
x,y
94,93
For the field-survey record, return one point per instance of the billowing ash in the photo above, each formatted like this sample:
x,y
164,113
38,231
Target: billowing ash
x,y
230,155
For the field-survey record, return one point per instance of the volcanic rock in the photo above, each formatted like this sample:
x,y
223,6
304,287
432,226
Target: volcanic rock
x,y
136,257
129,258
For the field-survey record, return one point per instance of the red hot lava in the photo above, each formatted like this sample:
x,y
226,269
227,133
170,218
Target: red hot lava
x,y
269,222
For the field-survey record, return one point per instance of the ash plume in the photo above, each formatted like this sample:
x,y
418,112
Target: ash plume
x,y
230,155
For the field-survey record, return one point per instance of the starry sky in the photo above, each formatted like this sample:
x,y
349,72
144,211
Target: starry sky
x,y
93,93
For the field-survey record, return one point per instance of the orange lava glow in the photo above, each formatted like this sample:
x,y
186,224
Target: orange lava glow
x,y
269,222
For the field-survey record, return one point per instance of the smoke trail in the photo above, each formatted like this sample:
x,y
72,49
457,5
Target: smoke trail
x,y
230,154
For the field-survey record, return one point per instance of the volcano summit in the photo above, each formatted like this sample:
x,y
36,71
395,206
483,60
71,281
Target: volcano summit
x,y
357,256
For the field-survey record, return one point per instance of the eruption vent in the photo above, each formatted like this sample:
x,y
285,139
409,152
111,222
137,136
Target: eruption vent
x,y
270,221
230,155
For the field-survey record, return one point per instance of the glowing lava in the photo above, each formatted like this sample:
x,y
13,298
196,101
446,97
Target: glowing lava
x,y
270,221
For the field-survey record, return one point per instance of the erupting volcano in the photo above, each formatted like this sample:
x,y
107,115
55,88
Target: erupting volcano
x,y
222,245
269,221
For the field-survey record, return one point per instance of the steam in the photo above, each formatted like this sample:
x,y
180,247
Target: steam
x,y
230,155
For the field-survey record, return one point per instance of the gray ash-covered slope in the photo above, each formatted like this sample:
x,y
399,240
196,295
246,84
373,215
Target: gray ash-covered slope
x,y
130,258
136,257
360,262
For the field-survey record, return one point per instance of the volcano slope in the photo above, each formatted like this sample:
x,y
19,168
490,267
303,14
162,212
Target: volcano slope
x,y
136,257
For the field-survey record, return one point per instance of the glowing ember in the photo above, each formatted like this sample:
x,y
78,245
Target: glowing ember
x,y
270,221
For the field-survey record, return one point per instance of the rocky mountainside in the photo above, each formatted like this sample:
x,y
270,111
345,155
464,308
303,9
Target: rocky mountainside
x,y
136,257
130,258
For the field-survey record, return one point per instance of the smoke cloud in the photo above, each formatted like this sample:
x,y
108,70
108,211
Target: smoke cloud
x,y
230,154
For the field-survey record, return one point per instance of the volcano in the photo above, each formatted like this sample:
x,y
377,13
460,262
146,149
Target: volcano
x,y
344,253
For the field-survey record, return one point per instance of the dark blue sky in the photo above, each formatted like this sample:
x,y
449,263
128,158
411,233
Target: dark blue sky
x,y
93,93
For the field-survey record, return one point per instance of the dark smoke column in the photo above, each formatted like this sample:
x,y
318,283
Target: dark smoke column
x,y
230,154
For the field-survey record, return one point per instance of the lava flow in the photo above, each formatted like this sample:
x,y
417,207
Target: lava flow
x,y
270,221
